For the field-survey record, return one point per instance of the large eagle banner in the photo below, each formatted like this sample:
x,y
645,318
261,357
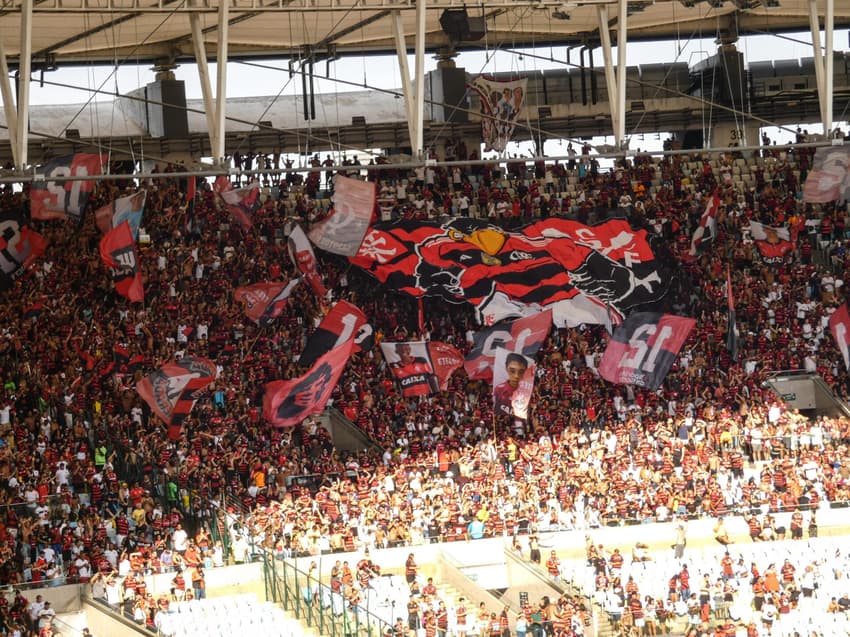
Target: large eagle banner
x,y
585,274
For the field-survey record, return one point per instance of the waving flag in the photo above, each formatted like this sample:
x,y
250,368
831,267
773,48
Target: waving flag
x,y
446,359
839,325
129,209
51,199
20,245
584,273
829,178
264,302
731,324
706,231
118,251
345,321
501,106
173,389
643,349
773,243
301,253
513,383
343,231
524,335
242,203
288,402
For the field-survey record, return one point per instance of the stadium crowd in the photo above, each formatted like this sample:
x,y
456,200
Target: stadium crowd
x,y
90,483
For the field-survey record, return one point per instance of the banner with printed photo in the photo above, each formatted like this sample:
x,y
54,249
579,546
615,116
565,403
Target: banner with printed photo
x,y
502,104
513,383
411,364
286,403
829,179
773,243
129,209
343,231
524,335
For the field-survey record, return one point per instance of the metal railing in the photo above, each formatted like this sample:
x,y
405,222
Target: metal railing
x,y
317,605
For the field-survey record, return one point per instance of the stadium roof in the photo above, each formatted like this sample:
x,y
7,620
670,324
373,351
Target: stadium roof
x,y
145,31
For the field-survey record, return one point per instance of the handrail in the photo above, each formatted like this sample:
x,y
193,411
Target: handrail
x,y
317,604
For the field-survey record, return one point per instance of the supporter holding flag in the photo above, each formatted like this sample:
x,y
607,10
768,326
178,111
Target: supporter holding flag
x,y
839,325
51,199
264,302
20,246
344,321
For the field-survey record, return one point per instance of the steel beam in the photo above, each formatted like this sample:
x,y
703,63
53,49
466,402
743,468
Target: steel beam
x,y
404,71
24,83
418,147
204,77
9,105
221,83
622,26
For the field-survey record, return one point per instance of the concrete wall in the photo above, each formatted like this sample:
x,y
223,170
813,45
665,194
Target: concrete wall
x,y
101,622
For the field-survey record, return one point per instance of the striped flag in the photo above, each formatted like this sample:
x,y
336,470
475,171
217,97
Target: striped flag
x,y
707,229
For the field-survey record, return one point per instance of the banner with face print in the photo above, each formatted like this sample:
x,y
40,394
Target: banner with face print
x,y
513,383
288,402
501,106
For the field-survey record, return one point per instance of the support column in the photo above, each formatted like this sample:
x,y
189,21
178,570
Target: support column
x,y
204,77
221,83
9,105
610,78
419,93
828,28
817,57
404,71
622,25
25,70
823,59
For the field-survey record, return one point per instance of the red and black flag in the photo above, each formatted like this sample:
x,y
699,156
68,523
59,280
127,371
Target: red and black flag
x,y
51,199
303,257
524,336
706,231
242,203
344,322
118,251
731,324
173,389
20,245
643,349
264,302
287,403
582,272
